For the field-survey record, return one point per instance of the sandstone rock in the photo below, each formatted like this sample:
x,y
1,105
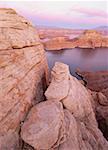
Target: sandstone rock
x,y
88,39
71,133
43,128
82,135
92,39
86,134
105,92
9,141
48,33
77,98
23,70
96,81
100,106
59,86
91,136
58,43
102,99
105,42
69,90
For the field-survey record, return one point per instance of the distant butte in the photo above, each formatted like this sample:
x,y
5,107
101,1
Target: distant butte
x,y
66,39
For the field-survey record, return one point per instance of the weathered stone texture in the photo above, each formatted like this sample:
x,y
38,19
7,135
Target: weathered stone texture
x,y
23,70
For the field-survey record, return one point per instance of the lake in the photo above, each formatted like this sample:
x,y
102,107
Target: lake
x,y
84,59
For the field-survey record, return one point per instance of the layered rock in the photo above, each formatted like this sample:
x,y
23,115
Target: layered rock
x,y
49,32
59,43
92,39
89,39
23,74
79,128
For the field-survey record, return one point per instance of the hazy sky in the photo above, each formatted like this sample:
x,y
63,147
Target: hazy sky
x,y
74,14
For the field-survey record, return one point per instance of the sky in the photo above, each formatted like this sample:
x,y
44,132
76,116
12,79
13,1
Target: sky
x,y
59,13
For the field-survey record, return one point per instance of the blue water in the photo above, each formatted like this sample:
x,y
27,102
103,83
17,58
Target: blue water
x,y
85,59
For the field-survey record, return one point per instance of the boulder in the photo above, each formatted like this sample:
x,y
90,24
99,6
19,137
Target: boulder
x,y
77,98
69,90
79,111
44,126
59,86
23,71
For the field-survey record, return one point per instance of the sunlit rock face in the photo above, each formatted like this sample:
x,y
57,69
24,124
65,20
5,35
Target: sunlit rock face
x,y
23,73
92,39
66,120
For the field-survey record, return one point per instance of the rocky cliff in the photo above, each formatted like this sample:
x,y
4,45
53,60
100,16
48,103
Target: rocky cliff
x,y
88,39
92,39
58,43
23,74
66,121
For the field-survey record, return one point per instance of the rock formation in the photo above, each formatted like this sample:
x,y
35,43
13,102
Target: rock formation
x,y
59,43
51,32
43,127
96,81
71,127
92,39
23,74
89,39
100,106
65,119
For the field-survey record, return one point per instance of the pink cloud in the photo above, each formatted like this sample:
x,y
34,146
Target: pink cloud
x,y
71,19
90,12
63,19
